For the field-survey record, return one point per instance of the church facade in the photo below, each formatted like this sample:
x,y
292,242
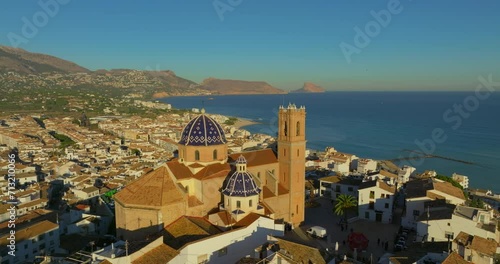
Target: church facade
x,y
204,181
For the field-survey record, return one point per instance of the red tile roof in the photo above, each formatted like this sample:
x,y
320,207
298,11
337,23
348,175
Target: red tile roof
x,y
153,189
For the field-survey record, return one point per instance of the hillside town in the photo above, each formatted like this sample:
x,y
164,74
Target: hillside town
x,y
193,187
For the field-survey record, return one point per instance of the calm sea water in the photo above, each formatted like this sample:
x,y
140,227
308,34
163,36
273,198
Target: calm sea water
x,y
382,125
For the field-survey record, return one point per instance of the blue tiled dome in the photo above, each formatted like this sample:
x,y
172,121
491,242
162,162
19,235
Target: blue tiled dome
x,y
202,131
241,184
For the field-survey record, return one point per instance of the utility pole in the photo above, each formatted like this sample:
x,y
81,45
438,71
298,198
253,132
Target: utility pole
x,y
126,248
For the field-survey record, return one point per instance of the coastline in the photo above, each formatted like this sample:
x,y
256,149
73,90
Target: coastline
x,y
243,122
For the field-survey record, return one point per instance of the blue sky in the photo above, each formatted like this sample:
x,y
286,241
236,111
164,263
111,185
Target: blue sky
x,y
428,45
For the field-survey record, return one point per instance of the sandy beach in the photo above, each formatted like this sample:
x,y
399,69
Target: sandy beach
x,y
242,122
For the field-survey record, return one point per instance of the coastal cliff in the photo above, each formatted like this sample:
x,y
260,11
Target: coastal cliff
x,y
309,87
220,86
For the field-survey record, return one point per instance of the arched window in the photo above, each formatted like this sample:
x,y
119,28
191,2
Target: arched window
x,y
238,204
298,129
215,154
284,152
250,203
196,155
298,152
285,129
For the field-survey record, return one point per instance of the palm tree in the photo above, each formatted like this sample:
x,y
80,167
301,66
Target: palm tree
x,y
344,203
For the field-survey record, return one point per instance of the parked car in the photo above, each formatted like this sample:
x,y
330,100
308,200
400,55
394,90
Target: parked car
x,y
317,231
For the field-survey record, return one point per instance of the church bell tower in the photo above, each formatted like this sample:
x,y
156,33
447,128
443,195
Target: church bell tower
x,y
291,158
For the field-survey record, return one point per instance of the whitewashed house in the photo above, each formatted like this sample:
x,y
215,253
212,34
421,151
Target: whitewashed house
x,y
442,221
333,186
417,192
475,249
462,179
376,199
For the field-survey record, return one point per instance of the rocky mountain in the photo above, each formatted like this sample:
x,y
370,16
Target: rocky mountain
x,y
220,86
21,61
309,87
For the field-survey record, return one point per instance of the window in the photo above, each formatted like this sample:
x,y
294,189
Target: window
x,y
285,129
337,188
386,205
41,237
372,194
298,129
215,154
238,204
250,203
222,252
448,235
298,152
196,155
326,184
371,205
416,213
367,215
350,189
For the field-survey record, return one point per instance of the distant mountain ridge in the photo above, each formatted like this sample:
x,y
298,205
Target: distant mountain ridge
x,y
309,87
221,86
29,70
22,61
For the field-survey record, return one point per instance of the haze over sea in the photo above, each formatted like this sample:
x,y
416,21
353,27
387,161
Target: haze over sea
x,y
381,125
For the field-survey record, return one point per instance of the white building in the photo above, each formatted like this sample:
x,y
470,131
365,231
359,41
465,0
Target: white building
x,y
366,165
32,240
441,221
462,179
210,245
418,192
376,199
333,186
475,249
404,174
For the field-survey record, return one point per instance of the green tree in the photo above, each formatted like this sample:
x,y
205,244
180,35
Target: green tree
x,y
344,203
477,203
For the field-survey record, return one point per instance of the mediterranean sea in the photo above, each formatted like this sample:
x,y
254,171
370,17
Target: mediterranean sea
x,y
384,125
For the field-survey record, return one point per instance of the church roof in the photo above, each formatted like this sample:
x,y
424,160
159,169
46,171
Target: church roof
x,y
203,131
153,189
181,171
257,157
241,184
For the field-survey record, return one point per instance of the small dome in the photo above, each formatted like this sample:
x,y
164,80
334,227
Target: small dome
x,y
202,131
241,160
241,184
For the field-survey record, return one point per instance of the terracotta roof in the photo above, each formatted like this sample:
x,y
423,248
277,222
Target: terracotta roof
x,y
388,174
225,217
449,189
301,253
256,158
454,258
267,193
332,179
281,189
188,229
30,231
153,189
247,220
384,186
160,254
485,246
181,171
193,201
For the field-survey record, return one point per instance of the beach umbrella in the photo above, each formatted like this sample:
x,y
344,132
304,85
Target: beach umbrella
x,y
357,241
336,246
